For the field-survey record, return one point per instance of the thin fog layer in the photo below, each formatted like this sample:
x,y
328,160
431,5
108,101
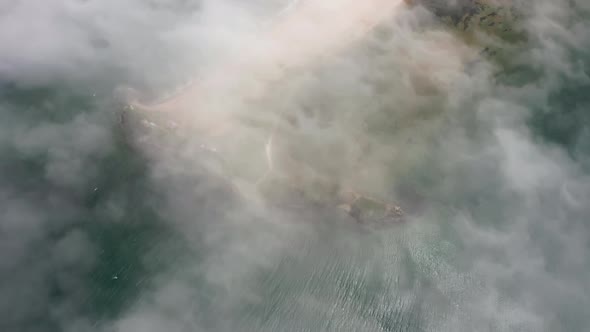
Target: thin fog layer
x,y
112,223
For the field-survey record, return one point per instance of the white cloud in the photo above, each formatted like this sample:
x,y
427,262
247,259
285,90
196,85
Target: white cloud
x,y
499,243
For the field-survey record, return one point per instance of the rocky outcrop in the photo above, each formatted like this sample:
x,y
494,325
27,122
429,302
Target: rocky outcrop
x,y
491,25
